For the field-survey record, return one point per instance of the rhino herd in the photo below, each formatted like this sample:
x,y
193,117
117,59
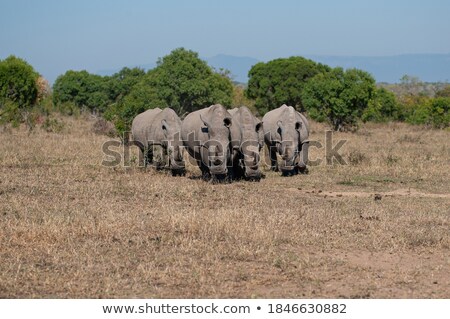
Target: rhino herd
x,y
225,144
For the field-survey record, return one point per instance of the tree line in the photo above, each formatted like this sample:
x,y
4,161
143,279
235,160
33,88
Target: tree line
x,y
183,81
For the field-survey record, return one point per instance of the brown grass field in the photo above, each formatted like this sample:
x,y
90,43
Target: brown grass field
x,y
378,227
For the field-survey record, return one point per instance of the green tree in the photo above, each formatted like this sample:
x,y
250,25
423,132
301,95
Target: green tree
x,y
186,83
181,80
444,92
281,81
382,107
83,89
18,82
434,112
121,83
18,90
440,112
140,98
339,96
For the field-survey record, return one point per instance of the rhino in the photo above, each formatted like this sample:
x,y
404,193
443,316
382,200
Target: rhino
x,y
160,127
250,139
206,134
286,132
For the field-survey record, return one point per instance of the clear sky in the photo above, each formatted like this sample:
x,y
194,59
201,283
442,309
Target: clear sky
x,y
55,36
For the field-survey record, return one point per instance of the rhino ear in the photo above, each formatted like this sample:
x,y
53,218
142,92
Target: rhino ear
x,y
227,121
164,126
258,127
298,125
204,121
280,124
280,127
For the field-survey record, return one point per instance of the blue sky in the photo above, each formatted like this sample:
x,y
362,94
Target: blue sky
x,y
55,36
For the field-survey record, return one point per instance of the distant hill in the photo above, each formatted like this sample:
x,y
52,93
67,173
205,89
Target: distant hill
x,y
238,66
389,69
427,67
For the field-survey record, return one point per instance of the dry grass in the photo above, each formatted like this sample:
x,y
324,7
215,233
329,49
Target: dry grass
x,y
72,228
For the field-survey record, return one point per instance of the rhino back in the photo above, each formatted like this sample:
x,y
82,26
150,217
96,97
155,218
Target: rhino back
x,y
142,124
304,133
191,126
172,120
270,123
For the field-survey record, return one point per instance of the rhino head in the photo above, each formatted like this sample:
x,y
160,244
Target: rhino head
x,y
171,131
252,143
289,146
215,152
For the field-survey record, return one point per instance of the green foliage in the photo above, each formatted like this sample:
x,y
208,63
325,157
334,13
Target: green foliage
x,y
52,125
281,81
240,99
141,97
339,96
83,89
382,107
121,83
18,82
10,113
444,92
434,112
440,112
127,97
181,80
186,83
18,91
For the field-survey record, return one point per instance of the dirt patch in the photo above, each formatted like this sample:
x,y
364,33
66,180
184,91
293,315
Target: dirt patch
x,y
409,192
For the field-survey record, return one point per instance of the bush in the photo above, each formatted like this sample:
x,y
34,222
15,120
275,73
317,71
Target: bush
x,y
339,96
82,89
52,125
103,127
382,107
10,113
440,112
281,81
434,112
18,82
181,80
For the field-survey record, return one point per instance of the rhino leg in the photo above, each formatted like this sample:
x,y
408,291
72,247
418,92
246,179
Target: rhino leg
x,y
237,171
273,158
206,175
148,156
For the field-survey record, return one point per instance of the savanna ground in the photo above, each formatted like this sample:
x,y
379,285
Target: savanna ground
x,y
378,227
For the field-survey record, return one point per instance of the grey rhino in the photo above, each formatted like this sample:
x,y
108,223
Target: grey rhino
x,y
160,127
286,132
206,134
250,139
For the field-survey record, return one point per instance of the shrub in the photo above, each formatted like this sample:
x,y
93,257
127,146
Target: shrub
x,y
382,107
281,81
434,112
18,82
82,89
339,96
52,125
